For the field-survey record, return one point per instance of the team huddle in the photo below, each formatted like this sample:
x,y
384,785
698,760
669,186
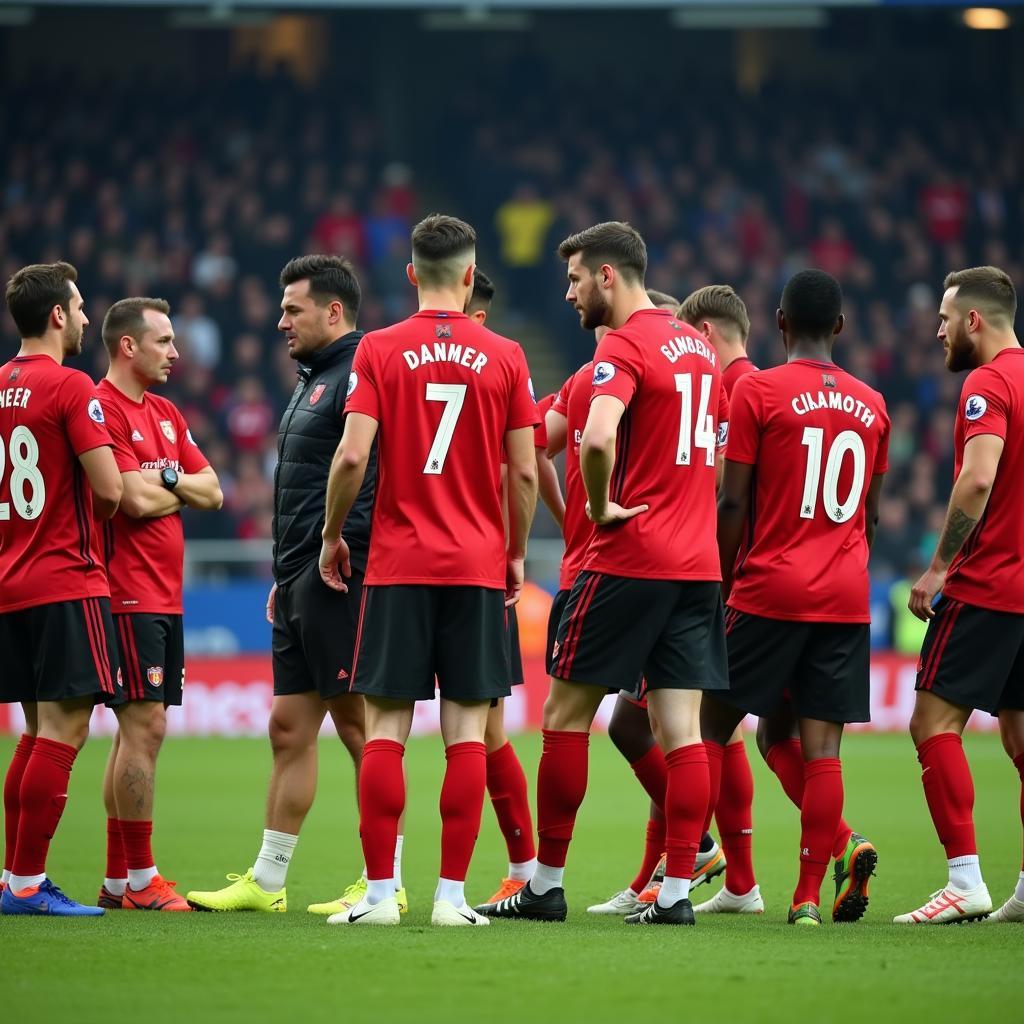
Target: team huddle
x,y
717,520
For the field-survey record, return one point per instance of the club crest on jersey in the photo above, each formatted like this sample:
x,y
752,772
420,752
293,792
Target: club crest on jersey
x,y
603,372
317,393
136,436
828,380
168,428
155,675
353,382
443,330
975,407
96,411
14,374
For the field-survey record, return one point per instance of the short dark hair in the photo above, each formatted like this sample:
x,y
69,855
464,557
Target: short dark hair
x,y
329,277
33,291
812,302
437,241
662,298
483,292
989,289
715,302
613,242
126,317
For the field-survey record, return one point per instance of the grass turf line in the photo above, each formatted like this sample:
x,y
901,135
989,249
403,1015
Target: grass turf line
x,y
247,967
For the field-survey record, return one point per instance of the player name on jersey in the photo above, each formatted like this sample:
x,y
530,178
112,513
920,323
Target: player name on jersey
x,y
442,352
676,348
807,402
15,398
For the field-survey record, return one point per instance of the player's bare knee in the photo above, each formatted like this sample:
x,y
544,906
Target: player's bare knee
x,y
286,735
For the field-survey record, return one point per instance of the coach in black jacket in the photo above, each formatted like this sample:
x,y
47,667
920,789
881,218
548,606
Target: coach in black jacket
x,y
314,627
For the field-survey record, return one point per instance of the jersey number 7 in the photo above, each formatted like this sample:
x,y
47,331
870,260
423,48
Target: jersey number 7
x,y
453,396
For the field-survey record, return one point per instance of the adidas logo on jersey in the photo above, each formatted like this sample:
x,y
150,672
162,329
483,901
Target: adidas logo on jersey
x,y
136,436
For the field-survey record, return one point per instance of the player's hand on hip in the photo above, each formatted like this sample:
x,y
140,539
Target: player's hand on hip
x,y
333,554
270,604
922,594
615,513
514,574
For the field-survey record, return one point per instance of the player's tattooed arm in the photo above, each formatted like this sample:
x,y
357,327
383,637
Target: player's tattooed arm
x,y
957,529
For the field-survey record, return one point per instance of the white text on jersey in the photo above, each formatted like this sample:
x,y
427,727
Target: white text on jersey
x,y
686,346
443,352
807,402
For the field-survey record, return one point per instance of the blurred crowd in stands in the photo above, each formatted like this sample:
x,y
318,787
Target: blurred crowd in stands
x,y
202,198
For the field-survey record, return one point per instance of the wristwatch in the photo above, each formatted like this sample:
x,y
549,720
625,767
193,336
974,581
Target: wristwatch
x,y
169,478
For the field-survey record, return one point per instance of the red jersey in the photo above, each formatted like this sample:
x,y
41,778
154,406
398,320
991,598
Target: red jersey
x,y
144,556
736,369
540,432
987,572
49,547
816,435
444,391
573,402
667,375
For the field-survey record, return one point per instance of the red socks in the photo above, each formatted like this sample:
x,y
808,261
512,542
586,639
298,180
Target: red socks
x,y
43,794
136,837
1019,762
734,813
949,791
820,813
462,801
117,865
716,755
653,849
786,760
686,804
506,784
12,796
652,773
561,786
381,802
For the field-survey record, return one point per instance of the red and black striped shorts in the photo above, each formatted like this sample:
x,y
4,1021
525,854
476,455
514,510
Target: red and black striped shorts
x,y
973,657
59,651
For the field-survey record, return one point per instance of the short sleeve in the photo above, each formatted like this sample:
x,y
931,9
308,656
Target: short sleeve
x,y
882,457
618,367
744,422
983,404
84,419
561,402
121,437
189,454
522,409
723,418
540,432
362,393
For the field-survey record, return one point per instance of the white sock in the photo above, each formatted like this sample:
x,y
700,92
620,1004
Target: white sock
x,y
522,872
1018,893
398,862
545,879
20,882
5,877
116,886
271,867
139,878
450,890
965,872
673,890
378,889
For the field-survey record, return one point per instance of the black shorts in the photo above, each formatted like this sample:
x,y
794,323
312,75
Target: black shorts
x,y
616,630
974,657
554,617
410,634
314,636
823,669
59,651
512,648
152,655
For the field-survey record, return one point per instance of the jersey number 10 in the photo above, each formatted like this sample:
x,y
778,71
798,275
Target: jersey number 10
x,y
847,441
25,475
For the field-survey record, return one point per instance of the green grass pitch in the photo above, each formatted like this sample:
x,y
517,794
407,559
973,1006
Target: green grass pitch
x,y
152,968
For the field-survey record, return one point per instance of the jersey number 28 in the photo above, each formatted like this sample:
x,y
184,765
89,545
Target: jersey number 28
x,y
28,491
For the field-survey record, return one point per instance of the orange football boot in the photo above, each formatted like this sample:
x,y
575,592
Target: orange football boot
x,y
158,895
